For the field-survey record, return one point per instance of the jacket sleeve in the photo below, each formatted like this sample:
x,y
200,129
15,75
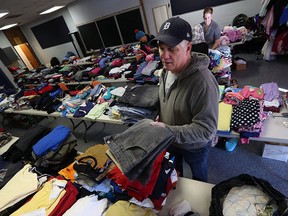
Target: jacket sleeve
x,y
203,127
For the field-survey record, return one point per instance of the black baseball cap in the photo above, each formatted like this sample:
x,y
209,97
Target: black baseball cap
x,y
173,31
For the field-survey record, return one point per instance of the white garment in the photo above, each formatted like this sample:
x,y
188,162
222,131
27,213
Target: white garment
x,y
171,77
21,185
146,203
245,200
89,205
119,91
115,70
125,66
273,103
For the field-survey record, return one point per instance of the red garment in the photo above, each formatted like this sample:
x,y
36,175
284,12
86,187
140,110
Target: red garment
x,y
272,109
46,88
30,92
95,71
281,42
248,91
118,62
135,188
66,201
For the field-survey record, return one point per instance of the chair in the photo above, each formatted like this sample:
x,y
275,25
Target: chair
x,y
201,48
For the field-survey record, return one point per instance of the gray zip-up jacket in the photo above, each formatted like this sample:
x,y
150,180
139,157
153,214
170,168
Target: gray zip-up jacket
x,y
190,108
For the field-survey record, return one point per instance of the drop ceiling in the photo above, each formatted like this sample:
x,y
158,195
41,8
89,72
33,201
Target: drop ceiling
x,y
24,11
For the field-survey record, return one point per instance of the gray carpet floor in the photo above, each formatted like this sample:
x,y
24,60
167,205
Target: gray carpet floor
x,y
222,164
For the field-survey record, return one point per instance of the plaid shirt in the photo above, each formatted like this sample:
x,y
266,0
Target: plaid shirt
x,y
197,34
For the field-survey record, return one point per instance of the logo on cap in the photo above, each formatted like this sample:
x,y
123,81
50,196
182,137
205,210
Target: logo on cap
x,y
166,26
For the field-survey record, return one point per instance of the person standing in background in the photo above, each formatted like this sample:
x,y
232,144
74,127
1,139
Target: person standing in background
x,y
211,29
188,97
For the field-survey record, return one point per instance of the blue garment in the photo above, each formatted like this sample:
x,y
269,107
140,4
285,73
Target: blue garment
x,y
51,141
284,16
139,34
131,115
102,62
96,91
84,110
55,93
138,74
197,160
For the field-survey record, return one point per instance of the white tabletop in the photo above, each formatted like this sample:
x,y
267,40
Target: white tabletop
x,y
103,118
197,193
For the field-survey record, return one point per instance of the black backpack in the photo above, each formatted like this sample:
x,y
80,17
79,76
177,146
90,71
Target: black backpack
x,y
55,158
219,192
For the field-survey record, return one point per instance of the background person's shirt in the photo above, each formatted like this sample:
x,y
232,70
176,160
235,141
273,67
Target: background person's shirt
x,y
212,33
197,34
145,46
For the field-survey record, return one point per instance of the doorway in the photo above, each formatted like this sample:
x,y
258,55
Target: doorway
x,y
22,47
26,54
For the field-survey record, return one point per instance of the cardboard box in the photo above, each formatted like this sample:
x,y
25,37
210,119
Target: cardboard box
x,y
240,66
276,151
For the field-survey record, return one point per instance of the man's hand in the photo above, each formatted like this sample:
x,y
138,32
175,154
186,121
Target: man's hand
x,y
157,124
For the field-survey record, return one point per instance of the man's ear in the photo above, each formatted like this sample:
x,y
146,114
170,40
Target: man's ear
x,y
189,47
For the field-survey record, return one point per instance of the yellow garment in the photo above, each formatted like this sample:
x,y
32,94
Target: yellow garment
x,y
48,198
21,185
224,117
125,208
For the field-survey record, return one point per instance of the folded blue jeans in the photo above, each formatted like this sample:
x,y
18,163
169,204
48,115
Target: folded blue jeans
x,y
136,148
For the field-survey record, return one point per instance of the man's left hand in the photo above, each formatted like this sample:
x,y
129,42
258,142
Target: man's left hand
x,y
157,124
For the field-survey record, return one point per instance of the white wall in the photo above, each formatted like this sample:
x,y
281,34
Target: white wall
x,y
4,42
7,73
44,55
85,11
148,6
224,14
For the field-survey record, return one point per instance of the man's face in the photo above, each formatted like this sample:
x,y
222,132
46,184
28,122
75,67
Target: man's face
x,y
207,18
176,58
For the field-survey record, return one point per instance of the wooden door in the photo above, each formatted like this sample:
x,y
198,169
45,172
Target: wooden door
x,y
29,55
17,39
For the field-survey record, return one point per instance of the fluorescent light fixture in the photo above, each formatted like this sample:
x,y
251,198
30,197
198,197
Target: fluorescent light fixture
x,y
2,14
52,9
283,90
8,26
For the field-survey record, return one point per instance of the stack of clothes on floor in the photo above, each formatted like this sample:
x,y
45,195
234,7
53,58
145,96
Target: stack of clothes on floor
x,y
45,176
